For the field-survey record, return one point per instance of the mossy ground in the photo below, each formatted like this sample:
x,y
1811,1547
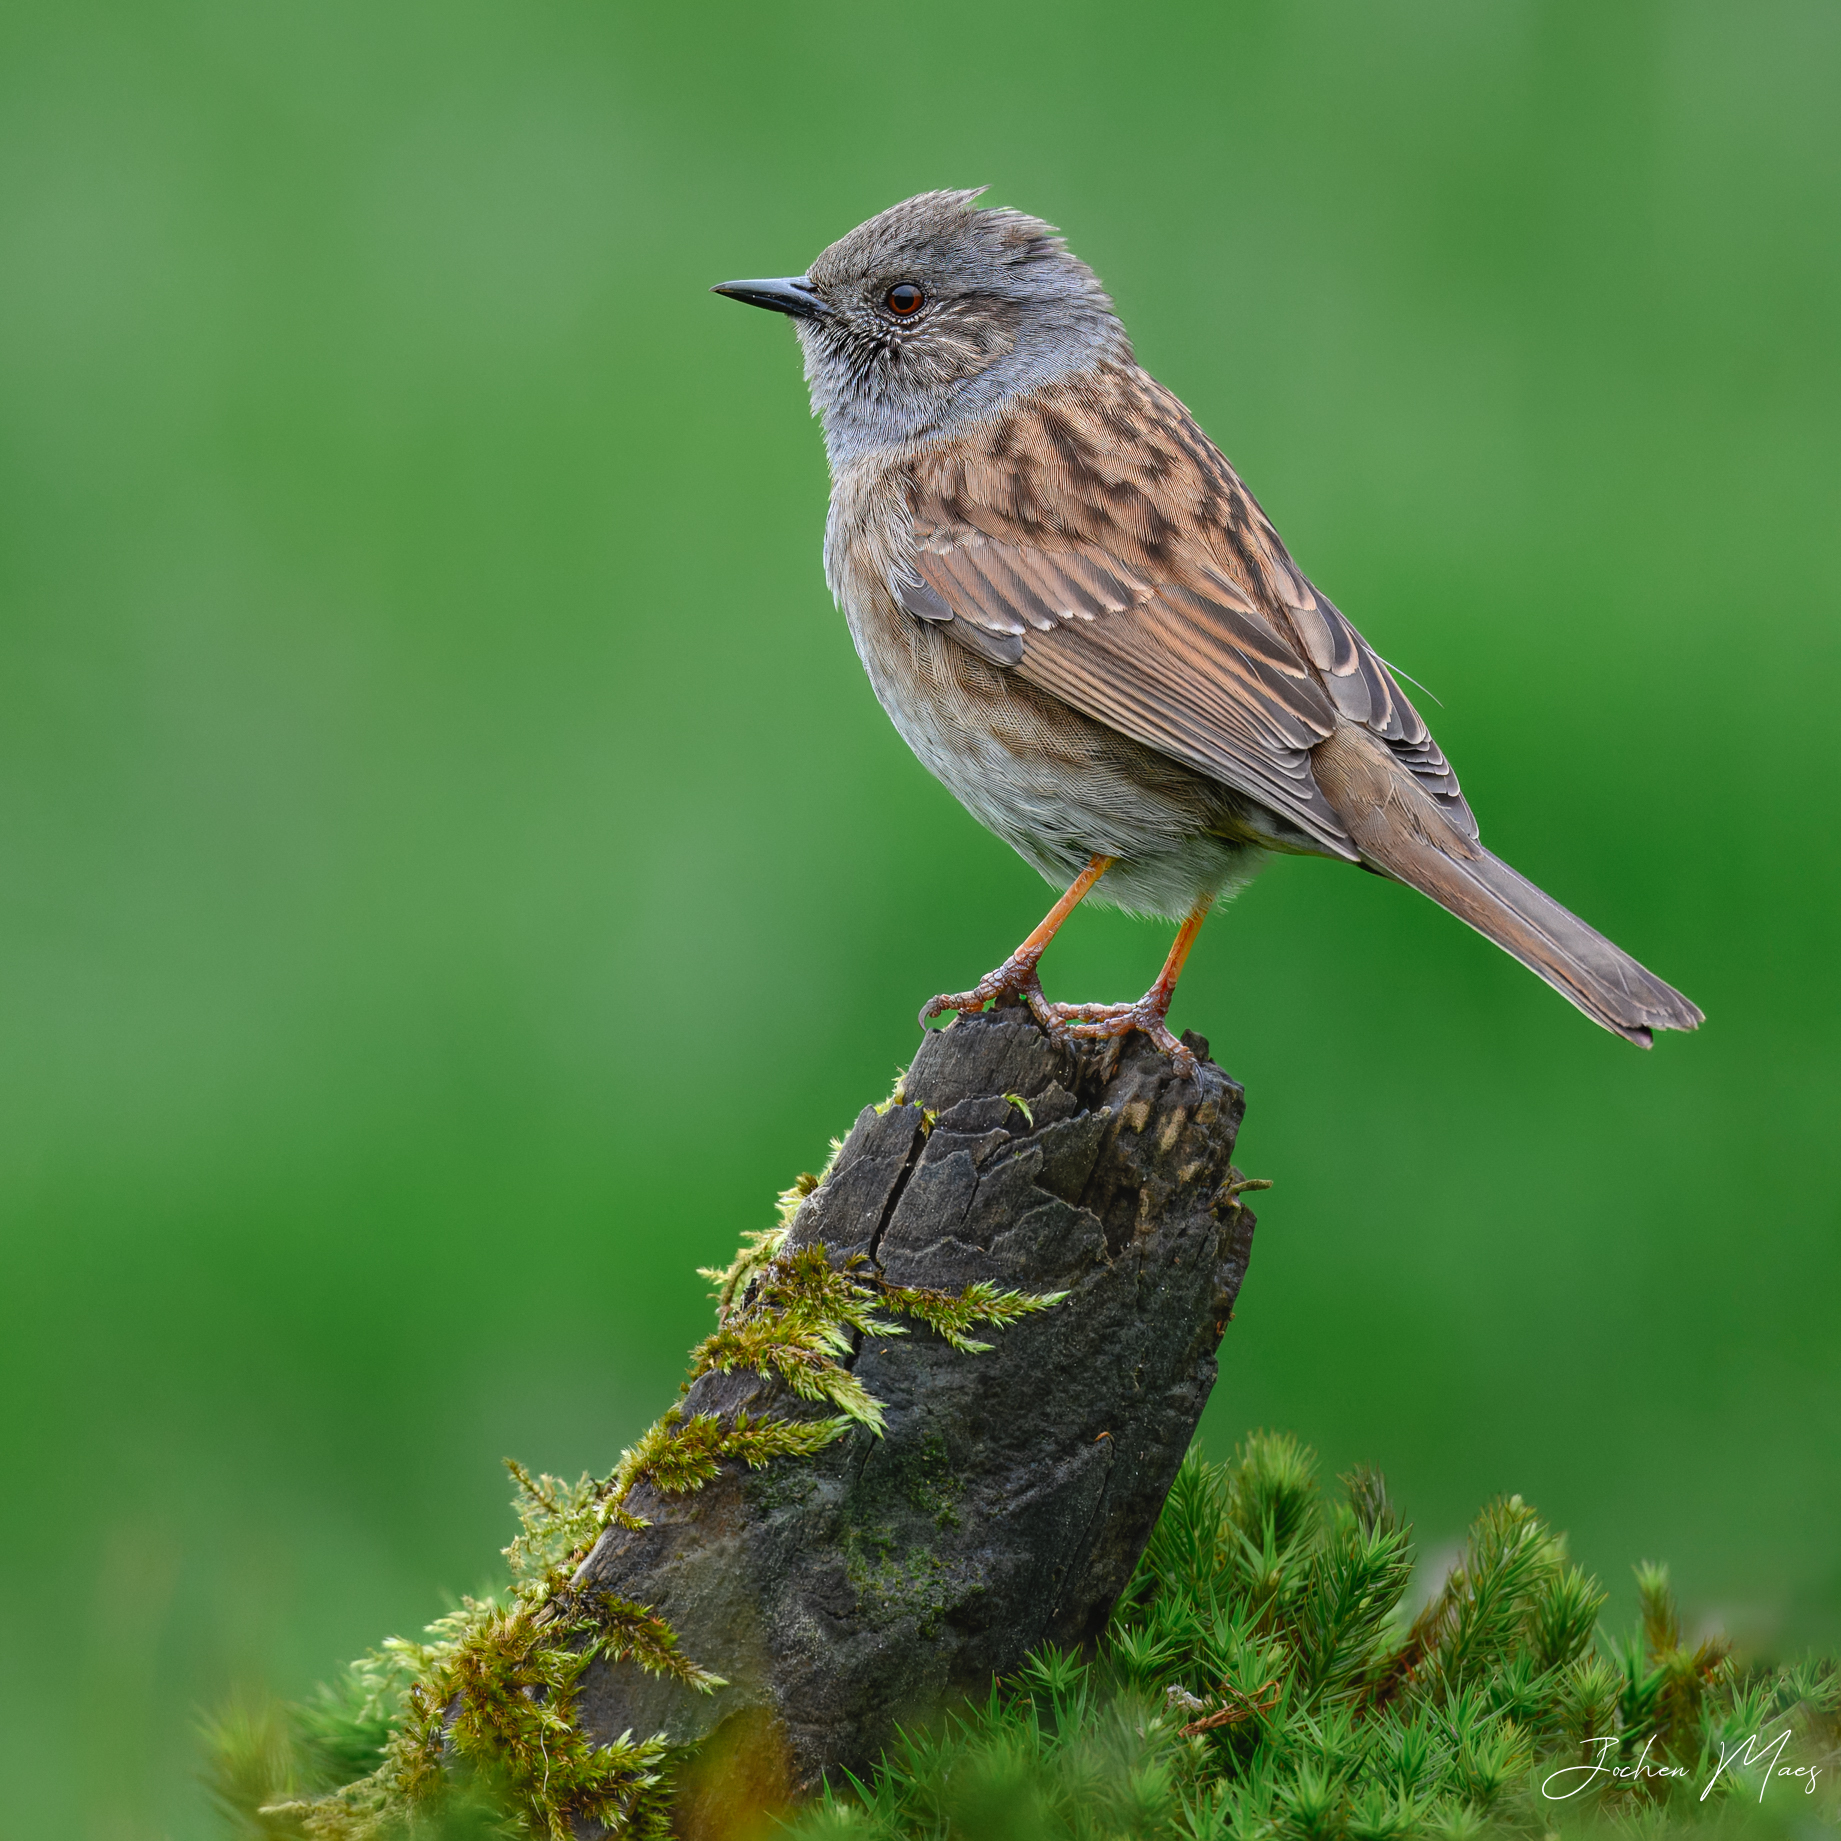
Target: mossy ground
x,y
1260,1678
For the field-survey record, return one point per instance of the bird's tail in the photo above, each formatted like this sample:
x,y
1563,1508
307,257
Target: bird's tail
x,y
1403,833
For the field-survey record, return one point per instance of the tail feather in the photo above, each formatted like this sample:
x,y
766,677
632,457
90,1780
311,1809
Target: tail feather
x,y
1399,831
1553,943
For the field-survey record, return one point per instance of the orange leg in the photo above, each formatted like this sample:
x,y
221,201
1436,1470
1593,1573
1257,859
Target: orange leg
x,y
1165,987
1097,1021
1016,977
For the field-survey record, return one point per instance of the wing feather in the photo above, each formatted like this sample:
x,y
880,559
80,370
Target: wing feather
x,y
1189,676
1098,545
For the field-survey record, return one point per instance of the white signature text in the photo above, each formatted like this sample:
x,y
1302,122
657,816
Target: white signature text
x,y
1748,1755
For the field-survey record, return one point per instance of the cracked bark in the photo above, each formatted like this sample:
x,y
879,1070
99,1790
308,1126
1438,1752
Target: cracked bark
x,y
1013,1491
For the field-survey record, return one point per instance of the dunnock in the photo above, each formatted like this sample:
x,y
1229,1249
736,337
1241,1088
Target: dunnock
x,y
1081,621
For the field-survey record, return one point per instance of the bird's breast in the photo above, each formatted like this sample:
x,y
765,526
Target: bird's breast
x,y
1051,782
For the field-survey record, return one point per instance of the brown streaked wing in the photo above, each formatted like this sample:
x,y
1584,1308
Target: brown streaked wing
x,y
1180,670
1359,681
1100,545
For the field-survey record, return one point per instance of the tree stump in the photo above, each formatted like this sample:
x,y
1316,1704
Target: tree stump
x,y
1013,1491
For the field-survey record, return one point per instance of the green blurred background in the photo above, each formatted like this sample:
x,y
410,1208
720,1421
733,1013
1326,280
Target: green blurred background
x,y
452,871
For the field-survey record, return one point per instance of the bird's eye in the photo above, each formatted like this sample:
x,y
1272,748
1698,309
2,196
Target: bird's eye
x,y
904,300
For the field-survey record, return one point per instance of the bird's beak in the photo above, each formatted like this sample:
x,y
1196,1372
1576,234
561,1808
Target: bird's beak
x,y
791,294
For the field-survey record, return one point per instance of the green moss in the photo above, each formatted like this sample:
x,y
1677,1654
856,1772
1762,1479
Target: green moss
x,y
952,1314
678,1455
793,1317
1260,1680
898,1094
889,1561
487,1717
934,1487
890,1589
472,1729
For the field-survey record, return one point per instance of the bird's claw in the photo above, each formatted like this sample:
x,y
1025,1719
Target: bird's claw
x,y
1102,1022
1068,1023
1016,978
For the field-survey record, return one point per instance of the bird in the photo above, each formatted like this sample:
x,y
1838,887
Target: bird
x,y
1083,624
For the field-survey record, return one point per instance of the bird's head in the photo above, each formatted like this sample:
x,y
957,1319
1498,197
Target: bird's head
x,y
929,317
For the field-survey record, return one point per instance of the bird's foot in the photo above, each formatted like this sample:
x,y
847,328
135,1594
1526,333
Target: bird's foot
x,y
1102,1022
1015,979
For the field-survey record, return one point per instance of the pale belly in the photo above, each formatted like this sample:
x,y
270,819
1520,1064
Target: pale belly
x,y
1057,787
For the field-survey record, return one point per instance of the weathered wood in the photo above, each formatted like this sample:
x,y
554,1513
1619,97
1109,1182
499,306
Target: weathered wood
x,y
1014,1490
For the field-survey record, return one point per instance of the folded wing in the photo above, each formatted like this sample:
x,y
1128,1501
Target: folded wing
x,y
1103,549
1194,675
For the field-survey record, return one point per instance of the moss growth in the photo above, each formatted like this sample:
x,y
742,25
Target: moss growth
x,y
934,1489
953,1314
1259,1681
889,1562
917,1585
471,1730
470,1727
678,1455
793,1315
